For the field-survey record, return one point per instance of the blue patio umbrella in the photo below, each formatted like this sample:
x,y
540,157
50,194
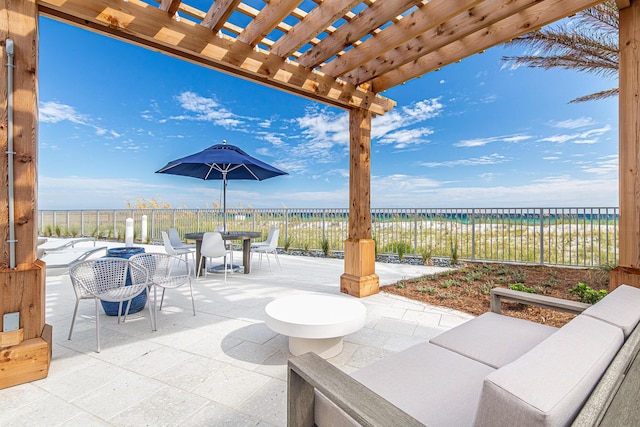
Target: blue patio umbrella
x,y
222,162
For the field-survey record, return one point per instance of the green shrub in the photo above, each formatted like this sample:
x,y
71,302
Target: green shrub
x,y
287,244
522,288
519,276
449,283
454,253
326,247
427,289
586,294
426,254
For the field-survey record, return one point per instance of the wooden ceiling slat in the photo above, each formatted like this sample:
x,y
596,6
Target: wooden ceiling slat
x,y
480,16
370,18
313,24
537,16
218,14
268,19
135,22
427,17
171,6
356,60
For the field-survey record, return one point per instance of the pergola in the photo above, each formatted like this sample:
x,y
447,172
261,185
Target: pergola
x,y
342,53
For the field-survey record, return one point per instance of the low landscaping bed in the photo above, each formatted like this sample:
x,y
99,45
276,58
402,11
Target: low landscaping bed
x,y
468,286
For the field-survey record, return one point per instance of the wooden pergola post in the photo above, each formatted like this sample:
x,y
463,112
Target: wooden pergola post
x,y
359,278
628,271
25,354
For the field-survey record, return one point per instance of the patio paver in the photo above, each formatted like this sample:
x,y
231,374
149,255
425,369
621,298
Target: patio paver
x,y
221,367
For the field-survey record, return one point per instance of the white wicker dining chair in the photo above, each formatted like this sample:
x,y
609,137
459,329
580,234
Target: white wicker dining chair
x,y
105,279
166,272
213,247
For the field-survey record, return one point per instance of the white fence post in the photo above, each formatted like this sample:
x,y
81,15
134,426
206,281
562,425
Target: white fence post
x,y
128,233
143,229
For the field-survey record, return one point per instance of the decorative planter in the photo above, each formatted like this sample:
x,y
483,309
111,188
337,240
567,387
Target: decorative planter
x,y
138,303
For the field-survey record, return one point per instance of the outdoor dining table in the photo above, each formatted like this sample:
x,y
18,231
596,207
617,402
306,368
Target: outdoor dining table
x,y
245,236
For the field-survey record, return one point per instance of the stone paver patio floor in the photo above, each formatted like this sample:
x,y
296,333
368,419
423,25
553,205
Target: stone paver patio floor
x,y
222,367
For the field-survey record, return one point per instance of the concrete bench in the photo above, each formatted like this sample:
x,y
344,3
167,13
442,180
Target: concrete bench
x,y
493,370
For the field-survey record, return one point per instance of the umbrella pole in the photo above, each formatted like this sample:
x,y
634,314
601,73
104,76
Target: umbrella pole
x,y
224,202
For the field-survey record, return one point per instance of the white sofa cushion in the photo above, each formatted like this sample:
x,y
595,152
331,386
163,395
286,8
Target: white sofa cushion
x,y
431,376
493,339
548,385
620,308
434,385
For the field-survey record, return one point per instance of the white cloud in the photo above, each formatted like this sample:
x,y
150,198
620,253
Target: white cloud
x,y
54,112
206,109
491,159
481,142
404,117
489,176
573,123
603,166
406,137
587,137
558,191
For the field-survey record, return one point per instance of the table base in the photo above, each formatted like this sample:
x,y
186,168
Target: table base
x,y
220,268
323,347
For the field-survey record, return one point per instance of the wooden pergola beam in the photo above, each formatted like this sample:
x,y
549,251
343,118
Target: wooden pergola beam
x,y
137,23
376,15
536,16
218,14
269,17
319,18
171,6
430,15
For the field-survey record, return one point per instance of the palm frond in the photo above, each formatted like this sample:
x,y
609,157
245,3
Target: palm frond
x,y
596,96
588,43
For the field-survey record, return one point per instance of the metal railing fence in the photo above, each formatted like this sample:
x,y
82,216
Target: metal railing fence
x,y
554,236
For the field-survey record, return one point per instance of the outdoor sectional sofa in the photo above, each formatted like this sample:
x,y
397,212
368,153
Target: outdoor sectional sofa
x,y
493,370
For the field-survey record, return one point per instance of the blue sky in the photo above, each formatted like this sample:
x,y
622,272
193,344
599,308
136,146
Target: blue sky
x,y
475,134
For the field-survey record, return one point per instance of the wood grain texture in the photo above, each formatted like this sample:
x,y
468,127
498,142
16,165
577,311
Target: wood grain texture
x,y
23,290
136,22
629,143
498,294
539,14
25,362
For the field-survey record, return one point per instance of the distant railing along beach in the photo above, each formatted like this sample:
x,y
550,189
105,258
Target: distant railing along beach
x,y
554,236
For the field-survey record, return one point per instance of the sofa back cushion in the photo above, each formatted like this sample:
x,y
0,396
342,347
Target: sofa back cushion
x,y
548,385
620,308
494,339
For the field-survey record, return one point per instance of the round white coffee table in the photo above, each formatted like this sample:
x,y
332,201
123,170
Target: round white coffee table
x,y
316,323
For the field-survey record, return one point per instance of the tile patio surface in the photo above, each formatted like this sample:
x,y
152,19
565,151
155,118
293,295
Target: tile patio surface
x,y
222,367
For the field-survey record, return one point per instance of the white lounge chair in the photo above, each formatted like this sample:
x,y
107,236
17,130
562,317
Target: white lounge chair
x,y
62,253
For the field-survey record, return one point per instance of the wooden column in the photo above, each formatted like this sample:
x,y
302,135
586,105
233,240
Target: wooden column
x,y
22,289
628,271
359,278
